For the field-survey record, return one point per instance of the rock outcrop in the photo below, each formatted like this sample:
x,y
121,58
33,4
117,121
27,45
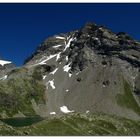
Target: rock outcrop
x,y
88,70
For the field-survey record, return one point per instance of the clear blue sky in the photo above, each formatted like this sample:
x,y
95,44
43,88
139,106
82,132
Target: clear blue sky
x,y
24,26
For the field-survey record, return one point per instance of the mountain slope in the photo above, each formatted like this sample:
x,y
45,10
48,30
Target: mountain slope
x,y
88,70
91,69
5,66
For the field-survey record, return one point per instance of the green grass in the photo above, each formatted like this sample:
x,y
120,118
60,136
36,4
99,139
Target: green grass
x,y
16,95
127,100
55,127
18,70
77,125
106,125
37,74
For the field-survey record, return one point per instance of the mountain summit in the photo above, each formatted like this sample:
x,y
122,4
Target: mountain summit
x,y
87,71
90,70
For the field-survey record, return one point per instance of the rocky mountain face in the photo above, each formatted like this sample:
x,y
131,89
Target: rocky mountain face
x,y
88,70
5,66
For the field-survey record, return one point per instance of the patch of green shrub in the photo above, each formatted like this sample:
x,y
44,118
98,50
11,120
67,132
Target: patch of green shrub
x,y
127,100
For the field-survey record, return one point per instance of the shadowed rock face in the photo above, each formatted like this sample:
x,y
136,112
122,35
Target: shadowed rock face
x,y
5,66
88,70
95,38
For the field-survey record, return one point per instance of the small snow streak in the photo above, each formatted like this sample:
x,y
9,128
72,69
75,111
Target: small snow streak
x,y
70,74
67,58
52,113
60,37
77,73
96,38
58,56
48,58
44,77
56,46
67,90
64,109
103,85
4,77
66,68
53,72
87,111
65,43
68,37
68,44
51,83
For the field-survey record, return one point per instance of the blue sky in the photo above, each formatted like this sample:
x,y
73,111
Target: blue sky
x,y
24,26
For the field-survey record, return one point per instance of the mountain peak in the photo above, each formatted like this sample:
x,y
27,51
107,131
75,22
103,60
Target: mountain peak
x,y
79,71
90,25
98,39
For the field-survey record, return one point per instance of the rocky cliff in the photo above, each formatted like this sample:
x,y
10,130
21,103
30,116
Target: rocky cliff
x,y
88,70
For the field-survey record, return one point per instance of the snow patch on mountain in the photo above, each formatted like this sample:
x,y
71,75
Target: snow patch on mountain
x,y
60,37
65,42
4,77
53,72
52,113
48,58
95,38
70,74
2,62
67,90
44,77
58,56
57,46
67,58
77,73
51,83
64,109
66,68
87,111
68,44
104,85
